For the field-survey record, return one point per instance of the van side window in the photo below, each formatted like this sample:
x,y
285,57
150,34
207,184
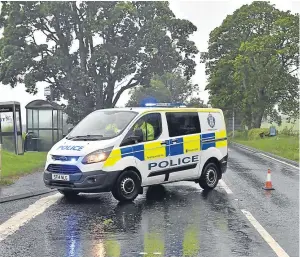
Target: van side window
x,y
183,123
151,126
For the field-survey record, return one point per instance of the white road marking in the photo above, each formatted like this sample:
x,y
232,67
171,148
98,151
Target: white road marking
x,y
21,218
279,161
225,187
265,235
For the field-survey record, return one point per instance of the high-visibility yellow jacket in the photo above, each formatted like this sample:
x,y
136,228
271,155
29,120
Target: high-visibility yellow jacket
x,y
113,127
148,131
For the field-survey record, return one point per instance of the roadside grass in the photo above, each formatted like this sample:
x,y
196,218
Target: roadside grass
x,y
14,166
281,145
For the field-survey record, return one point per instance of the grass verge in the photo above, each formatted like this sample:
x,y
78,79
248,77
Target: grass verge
x,y
284,146
14,166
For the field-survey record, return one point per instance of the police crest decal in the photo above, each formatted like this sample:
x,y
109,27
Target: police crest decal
x,y
211,120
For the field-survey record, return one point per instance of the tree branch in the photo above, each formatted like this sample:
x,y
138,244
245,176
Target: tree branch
x,y
46,28
293,70
128,86
49,81
80,35
61,37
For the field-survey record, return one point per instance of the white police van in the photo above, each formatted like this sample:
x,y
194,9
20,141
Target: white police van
x,y
187,144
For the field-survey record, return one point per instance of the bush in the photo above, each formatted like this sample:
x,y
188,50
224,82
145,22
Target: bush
x,y
289,131
255,133
239,134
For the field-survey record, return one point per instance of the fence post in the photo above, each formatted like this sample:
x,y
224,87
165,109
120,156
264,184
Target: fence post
x,y
232,123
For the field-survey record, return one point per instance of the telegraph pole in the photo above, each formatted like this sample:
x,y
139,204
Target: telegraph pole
x,y
0,160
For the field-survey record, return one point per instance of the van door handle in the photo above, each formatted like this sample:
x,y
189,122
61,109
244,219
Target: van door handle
x,y
163,143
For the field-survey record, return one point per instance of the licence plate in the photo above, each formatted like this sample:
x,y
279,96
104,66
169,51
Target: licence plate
x,y
60,177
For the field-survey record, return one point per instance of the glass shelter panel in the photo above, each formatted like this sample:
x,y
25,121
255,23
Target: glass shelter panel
x,y
7,121
45,119
59,119
29,119
8,143
18,121
45,140
35,117
55,118
55,136
60,134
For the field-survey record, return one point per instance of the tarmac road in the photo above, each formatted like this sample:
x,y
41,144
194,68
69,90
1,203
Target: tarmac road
x,y
238,218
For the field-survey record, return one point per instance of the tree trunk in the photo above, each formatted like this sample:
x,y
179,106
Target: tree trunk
x,y
260,107
257,119
99,96
108,102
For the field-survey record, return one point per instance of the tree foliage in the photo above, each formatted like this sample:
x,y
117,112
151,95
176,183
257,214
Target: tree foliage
x,y
196,102
91,52
251,63
169,87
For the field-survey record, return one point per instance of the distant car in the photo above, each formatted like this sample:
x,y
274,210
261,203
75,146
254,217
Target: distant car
x,y
186,144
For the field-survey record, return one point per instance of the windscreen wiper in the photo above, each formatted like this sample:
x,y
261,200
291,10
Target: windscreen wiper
x,y
87,137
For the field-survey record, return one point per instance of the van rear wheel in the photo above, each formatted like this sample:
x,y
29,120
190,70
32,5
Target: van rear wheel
x,y
210,177
127,186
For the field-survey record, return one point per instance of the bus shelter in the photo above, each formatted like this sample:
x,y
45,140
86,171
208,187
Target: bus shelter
x,y
11,127
44,125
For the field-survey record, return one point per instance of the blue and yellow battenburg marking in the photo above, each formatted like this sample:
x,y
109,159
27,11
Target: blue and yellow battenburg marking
x,y
182,145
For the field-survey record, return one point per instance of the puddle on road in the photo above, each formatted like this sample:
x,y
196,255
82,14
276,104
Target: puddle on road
x,y
166,221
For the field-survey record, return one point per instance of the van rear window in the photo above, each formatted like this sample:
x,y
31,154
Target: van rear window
x,y
183,123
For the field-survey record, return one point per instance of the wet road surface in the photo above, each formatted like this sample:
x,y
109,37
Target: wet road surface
x,y
176,219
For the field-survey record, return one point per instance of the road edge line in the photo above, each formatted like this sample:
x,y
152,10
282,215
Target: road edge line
x,y
225,187
25,195
297,168
265,235
257,151
21,218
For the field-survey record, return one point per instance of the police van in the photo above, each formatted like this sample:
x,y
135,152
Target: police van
x,y
122,150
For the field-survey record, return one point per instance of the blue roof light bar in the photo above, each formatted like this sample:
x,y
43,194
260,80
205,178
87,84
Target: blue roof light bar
x,y
164,105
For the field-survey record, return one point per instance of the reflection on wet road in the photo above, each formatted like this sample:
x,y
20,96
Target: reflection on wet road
x,y
171,220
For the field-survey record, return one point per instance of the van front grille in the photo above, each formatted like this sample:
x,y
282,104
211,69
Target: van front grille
x,y
60,168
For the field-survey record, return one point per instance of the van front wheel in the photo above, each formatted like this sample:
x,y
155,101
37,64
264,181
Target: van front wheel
x,y
209,178
127,186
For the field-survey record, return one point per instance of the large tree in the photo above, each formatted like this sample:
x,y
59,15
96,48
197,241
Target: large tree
x,y
91,52
251,63
169,87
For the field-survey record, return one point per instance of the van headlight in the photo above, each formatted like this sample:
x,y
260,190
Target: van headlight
x,y
49,157
97,156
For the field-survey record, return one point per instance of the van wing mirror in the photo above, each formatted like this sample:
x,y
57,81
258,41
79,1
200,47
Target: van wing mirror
x,y
136,137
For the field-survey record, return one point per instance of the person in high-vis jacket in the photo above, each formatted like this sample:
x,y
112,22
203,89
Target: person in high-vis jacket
x,y
112,127
147,129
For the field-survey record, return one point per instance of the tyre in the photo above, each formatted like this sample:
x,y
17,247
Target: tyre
x,y
68,194
210,177
127,186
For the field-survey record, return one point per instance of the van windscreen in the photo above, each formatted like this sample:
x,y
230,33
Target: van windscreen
x,y
102,125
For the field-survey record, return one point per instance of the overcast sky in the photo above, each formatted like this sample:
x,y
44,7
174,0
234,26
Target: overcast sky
x,y
206,15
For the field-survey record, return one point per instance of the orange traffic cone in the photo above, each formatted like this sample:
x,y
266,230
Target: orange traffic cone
x,y
268,184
